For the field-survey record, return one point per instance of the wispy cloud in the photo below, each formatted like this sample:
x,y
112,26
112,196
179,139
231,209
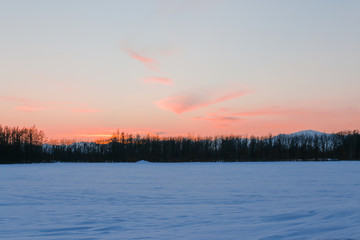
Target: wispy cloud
x,y
24,104
161,80
262,112
225,117
229,96
219,119
288,112
180,104
216,113
29,105
146,61
185,103
87,110
16,99
140,58
29,109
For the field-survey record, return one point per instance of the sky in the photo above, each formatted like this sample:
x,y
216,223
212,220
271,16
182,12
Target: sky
x,y
82,69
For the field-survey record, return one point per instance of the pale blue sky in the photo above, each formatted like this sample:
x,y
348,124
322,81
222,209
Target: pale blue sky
x,y
71,61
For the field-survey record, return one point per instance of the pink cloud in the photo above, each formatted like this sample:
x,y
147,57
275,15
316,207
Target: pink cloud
x,y
263,112
286,118
216,113
87,110
29,105
16,99
29,109
148,62
141,58
230,96
223,117
162,80
273,111
180,104
219,119
186,103
294,112
24,104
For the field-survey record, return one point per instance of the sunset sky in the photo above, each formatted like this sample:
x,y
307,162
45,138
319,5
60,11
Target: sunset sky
x,y
82,69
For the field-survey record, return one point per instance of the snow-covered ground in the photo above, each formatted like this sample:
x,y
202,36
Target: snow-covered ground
x,y
278,200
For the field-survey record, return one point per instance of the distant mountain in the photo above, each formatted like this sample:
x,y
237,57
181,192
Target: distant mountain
x,y
306,133
310,133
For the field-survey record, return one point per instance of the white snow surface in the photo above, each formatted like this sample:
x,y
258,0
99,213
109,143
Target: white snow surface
x,y
277,200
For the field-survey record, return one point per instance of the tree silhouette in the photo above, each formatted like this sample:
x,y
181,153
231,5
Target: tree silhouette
x,y
26,145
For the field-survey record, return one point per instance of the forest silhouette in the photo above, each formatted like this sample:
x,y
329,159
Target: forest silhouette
x,y
28,145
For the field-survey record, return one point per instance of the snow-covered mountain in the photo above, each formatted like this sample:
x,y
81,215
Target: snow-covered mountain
x,y
310,133
305,133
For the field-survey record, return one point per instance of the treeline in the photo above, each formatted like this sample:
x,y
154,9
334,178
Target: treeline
x,y
23,145
20,145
